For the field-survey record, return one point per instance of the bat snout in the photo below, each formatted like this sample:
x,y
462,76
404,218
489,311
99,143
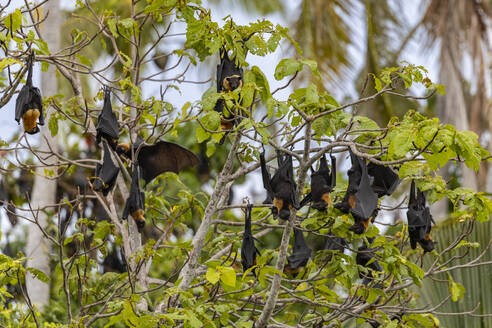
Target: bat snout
x,y
232,82
122,148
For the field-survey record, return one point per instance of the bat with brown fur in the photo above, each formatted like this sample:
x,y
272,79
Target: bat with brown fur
x,y
300,254
229,78
419,220
29,104
281,188
135,203
248,248
323,182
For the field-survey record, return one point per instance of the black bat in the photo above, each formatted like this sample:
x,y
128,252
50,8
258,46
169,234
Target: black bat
x,y
29,104
135,204
248,248
359,200
419,220
158,158
114,262
300,254
229,78
334,243
281,188
106,173
107,124
364,255
385,179
322,183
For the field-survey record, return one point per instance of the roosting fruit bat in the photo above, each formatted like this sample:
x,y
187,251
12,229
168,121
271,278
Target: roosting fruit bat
x,y
106,173
135,204
360,200
158,158
229,78
107,124
322,183
419,220
300,255
385,179
364,255
281,188
29,104
114,262
248,248
334,243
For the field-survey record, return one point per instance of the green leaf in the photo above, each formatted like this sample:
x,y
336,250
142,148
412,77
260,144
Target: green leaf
x,y
38,274
286,67
212,275
201,134
401,142
227,275
456,290
53,125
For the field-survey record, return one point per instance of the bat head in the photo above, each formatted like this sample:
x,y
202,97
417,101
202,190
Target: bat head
x,y
97,183
427,244
30,120
232,82
122,149
139,218
359,227
33,130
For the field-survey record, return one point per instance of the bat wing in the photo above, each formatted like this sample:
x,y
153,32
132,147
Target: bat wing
x,y
109,171
107,124
219,77
366,198
385,179
267,180
333,175
335,243
21,102
308,198
164,157
301,253
292,182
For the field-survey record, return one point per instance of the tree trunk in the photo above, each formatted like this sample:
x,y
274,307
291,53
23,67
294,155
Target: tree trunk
x,y
44,190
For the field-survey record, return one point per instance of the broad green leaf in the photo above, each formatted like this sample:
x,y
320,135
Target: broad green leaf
x,y
212,275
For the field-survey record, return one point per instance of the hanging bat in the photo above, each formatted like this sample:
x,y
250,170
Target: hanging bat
x,y
114,262
29,104
360,200
385,179
158,158
135,204
334,243
248,248
107,124
419,220
322,183
229,78
281,188
364,255
354,175
106,173
300,255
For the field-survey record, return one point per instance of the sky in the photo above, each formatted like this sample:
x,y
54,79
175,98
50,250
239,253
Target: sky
x,y
193,92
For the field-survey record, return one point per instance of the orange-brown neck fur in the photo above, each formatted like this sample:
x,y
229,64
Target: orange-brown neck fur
x,y
30,120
